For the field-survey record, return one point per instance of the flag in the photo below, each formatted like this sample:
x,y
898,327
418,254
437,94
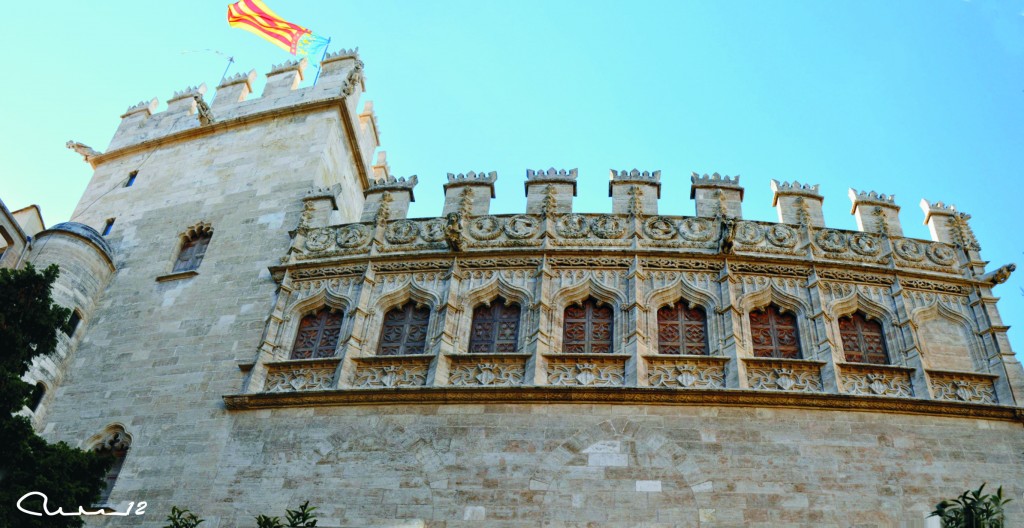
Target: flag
x,y
255,17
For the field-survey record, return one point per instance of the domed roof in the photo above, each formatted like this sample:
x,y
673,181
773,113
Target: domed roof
x,y
82,231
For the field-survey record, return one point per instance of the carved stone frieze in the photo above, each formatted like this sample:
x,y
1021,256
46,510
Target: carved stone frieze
x,y
698,229
479,372
874,380
328,271
595,373
770,269
935,286
522,226
486,227
962,387
660,228
572,226
698,373
608,227
795,376
391,375
682,264
855,276
291,379
401,231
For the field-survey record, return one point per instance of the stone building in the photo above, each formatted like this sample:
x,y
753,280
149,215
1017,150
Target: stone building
x,y
260,324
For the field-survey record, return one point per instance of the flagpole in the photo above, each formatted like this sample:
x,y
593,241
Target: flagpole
x,y
317,78
225,74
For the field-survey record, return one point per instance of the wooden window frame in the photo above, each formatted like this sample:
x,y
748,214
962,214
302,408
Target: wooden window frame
x,y
408,340
683,342
859,321
499,315
588,344
776,324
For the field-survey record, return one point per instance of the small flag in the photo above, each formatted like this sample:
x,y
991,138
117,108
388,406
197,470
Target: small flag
x,y
255,17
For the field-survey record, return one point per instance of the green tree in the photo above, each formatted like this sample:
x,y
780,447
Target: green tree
x,y
973,509
69,477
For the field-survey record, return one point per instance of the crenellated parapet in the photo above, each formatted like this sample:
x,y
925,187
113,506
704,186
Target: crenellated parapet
x,y
550,191
234,89
798,203
876,212
717,195
285,77
634,192
184,101
948,225
388,199
469,193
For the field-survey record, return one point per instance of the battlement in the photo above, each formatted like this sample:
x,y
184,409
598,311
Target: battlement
x,y
635,176
871,197
340,85
717,195
470,178
715,180
393,184
798,203
876,212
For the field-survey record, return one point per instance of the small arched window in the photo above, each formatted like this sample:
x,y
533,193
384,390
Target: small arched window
x,y
588,328
404,331
193,249
318,335
774,334
73,322
495,328
115,445
682,330
863,340
38,392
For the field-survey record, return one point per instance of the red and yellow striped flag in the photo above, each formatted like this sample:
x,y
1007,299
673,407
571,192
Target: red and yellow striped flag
x,y
255,17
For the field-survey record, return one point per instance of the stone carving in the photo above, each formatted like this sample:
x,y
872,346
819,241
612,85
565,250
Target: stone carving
x,y
908,249
453,232
550,205
607,226
521,226
727,236
687,375
796,378
865,244
636,195
401,232
203,111
831,240
84,150
962,387
748,233
940,254
781,236
390,376
572,226
433,230
999,276
319,239
696,229
874,381
596,374
488,374
659,228
352,235
485,227
384,212
299,379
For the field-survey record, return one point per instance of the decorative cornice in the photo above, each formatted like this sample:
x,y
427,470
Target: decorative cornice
x,y
624,396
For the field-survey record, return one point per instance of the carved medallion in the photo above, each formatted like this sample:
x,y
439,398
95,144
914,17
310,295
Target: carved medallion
x,y
865,244
696,229
781,236
521,226
352,236
318,239
432,230
831,240
659,228
573,226
940,254
749,233
401,232
607,226
485,227
908,249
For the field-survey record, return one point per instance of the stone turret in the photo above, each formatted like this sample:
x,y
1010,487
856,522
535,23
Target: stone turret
x,y
550,191
234,89
634,192
948,225
876,213
469,193
285,77
396,192
798,203
717,195
185,100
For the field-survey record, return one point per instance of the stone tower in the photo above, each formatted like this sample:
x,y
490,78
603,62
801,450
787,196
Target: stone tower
x,y
262,324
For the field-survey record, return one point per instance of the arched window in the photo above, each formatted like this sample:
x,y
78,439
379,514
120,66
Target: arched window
x,y
404,331
863,340
495,328
115,445
682,330
774,334
318,335
588,328
73,321
193,249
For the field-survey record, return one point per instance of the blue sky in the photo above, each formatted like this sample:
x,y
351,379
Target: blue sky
x,y
921,99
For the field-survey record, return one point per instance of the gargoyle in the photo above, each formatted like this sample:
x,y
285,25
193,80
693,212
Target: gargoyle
x,y
203,109
728,236
453,231
86,151
999,276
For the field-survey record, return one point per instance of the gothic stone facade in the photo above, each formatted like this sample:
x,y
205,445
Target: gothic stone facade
x,y
262,325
